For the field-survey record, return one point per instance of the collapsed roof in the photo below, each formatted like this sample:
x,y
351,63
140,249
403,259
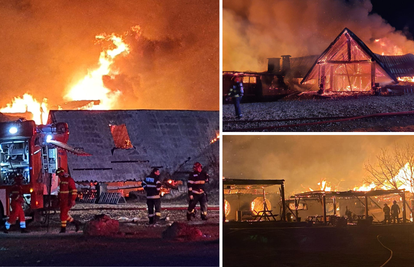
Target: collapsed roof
x,y
126,144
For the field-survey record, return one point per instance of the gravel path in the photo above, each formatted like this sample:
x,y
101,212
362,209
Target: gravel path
x,y
350,106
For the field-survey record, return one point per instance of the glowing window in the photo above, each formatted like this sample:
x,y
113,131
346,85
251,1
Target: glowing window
x,y
253,79
120,136
246,79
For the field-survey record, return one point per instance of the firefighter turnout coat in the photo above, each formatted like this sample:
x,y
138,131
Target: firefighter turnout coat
x,y
67,195
16,204
152,187
196,192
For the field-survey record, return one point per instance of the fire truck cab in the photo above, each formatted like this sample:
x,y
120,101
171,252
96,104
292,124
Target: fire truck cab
x,y
33,151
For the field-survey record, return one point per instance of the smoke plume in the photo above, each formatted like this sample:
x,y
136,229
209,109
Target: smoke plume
x,y
260,29
303,160
47,45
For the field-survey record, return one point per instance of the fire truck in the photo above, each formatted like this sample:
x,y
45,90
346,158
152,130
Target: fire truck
x,y
35,151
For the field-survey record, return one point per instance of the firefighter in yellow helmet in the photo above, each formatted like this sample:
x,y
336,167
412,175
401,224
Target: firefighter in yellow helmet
x,y
67,197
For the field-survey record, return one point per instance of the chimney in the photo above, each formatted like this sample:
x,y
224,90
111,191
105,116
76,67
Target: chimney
x,y
273,64
285,63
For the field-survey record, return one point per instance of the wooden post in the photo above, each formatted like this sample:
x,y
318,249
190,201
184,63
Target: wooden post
x,y
366,206
372,74
324,208
282,192
331,78
334,205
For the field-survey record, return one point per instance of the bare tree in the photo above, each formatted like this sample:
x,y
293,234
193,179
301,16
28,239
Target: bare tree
x,y
393,169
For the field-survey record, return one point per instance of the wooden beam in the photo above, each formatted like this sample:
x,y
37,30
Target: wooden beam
x,y
346,62
372,74
282,193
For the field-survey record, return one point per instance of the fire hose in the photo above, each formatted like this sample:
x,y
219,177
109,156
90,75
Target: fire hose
x,y
378,238
323,122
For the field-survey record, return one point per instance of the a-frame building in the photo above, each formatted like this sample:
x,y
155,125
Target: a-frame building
x,y
349,65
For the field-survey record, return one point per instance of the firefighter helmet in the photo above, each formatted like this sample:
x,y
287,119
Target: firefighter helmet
x,y
197,165
60,170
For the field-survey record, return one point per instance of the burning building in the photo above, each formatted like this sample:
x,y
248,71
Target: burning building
x,y
126,144
356,206
254,200
349,65
282,74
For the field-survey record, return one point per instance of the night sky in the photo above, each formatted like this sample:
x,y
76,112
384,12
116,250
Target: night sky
x,y
305,160
398,13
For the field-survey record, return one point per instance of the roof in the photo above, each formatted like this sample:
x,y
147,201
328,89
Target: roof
x,y
248,186
299,66
168,138
400,66
339,51
349,193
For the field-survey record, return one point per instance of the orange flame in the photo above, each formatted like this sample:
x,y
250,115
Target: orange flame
x,y
406,79
91,87
258,205
215,139
387,47
28,104
227,208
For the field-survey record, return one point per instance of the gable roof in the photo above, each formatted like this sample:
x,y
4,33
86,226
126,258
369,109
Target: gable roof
x,y
159,138
339,48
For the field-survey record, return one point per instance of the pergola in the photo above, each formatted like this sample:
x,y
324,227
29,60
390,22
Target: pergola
x,y
237,186
333,195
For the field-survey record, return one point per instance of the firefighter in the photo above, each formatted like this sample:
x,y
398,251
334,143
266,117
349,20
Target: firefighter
x,y
236,93
395,212
196,181
152,187
67,197
17,200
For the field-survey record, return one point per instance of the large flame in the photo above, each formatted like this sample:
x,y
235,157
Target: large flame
x,y
388,47
92,87
28,104
365,187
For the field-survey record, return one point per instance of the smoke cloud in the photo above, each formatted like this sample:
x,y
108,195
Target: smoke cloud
x,y
260,29
48,45
304,161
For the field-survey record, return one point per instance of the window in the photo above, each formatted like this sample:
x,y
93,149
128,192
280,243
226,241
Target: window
x,y
253,79
120,136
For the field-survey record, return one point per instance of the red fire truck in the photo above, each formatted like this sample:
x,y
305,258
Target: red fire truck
x,y
35,151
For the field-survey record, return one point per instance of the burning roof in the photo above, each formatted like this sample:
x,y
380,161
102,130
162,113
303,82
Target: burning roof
x,y
349,65
170,139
